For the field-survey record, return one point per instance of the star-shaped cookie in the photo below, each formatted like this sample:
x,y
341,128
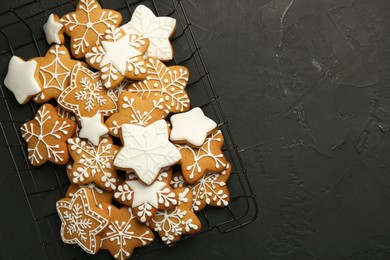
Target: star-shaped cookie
x,y
157,29
54,30
87,25
119,55
46,136
93,128
23,79
146,150
191,127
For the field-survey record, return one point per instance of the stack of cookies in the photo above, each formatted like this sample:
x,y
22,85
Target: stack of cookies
x,y
120,120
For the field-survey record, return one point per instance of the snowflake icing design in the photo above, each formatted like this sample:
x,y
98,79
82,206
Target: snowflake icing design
x,y
46,136
195,168
81,221
93,163
124,232
90,93
82,25
168,82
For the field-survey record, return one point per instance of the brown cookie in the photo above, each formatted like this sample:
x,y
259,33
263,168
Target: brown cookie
x,y
119,55
46,136
208,158
124,232
87,24
93,163
82,221
135,110
54,71
172,224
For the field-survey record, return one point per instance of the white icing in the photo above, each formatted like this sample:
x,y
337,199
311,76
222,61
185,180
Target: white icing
x,y
43,135
192,126
52,28
80,223
146,150
145,193
21,80
92,128
170,84
106,18
117,53
157,29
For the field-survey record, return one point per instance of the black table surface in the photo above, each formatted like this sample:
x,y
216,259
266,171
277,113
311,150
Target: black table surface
x,y
305,86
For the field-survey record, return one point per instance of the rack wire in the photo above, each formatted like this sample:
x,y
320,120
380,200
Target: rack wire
x,y
43,186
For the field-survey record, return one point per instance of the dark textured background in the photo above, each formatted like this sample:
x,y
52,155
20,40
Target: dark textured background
x,y
305,86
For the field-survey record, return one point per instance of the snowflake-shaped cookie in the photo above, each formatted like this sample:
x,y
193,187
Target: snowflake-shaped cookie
x,y
209,190
86,95
209,157
146,150
172,224
54,71
168,82
46,136
87,24
124,232
99,195
82,221
144,199
93,163
157,29
119,55
135,110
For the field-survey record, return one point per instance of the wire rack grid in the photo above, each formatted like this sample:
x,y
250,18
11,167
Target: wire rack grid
x,y
43,186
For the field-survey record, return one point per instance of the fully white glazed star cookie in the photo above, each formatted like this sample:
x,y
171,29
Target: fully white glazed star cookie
x,y
22,80
157,29
93,128
191,127
146,150
54,30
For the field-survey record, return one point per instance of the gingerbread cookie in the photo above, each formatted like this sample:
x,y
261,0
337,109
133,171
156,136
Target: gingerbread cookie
x,y
124,232
135,110
165,175
157,29
166,82
22,79
146,150
90,101
119,55
172,224
54,71
209,190
144,199
54,30
87,24
82,221
191,127
46,136
99,195
93,163
208,158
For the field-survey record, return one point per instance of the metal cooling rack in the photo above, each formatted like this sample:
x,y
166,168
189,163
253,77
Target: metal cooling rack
x,y
21,34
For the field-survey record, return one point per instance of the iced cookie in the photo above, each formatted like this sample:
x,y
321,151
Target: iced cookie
x,y
208,158
119,55
135,110
157,29
209,190
124,232
146,150
144,199
93,163
22,79
46,136
87,25
172,224
82,221
54,30
54,72
191,127
166,82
